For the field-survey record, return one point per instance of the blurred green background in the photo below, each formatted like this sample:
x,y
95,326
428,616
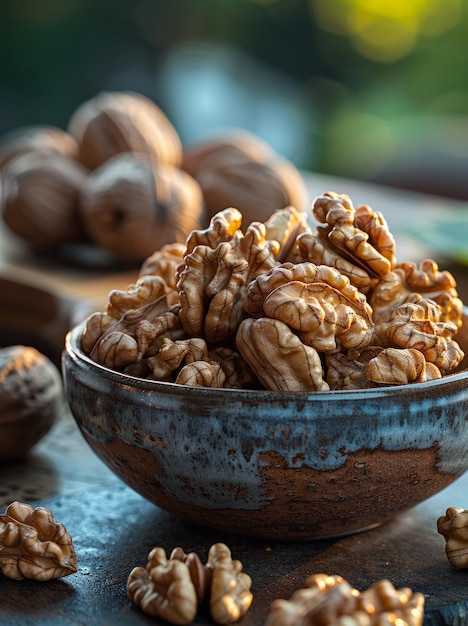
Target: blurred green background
x,y
369,89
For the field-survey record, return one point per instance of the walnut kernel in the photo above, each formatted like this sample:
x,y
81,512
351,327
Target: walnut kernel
x,y
33,545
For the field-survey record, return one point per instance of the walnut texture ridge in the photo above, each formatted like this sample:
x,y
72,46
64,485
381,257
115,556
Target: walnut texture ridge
x,y
33,545
297,307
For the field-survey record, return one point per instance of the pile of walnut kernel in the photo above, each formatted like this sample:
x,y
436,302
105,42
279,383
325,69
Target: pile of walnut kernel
x,y
284,307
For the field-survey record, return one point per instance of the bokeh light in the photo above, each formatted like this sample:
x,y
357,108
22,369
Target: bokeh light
x,y
386,30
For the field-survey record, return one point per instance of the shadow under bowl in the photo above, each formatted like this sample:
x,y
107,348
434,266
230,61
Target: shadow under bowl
x,y
282,466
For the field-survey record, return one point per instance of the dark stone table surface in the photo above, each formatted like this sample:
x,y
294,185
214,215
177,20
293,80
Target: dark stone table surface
x,y
113,529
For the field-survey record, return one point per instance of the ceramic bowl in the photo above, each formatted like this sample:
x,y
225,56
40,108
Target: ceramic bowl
x,y
283,466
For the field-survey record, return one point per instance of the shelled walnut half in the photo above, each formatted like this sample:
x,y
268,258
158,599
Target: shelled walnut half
x,y
328,600
33,545
453,526
173,588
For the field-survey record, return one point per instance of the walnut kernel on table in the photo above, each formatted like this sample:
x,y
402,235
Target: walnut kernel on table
x,y
173,588
330,600
33,545
303,308
453,526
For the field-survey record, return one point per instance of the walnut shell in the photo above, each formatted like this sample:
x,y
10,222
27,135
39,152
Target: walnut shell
x,y
114,122
131,206
40,198
242,171
36,138
31,398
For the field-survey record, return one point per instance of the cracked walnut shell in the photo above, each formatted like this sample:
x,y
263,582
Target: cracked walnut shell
x,y
33,545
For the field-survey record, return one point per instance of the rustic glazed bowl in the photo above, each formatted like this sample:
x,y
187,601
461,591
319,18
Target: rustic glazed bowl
x,y
286,466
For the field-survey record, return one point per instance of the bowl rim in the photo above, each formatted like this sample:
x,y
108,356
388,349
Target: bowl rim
x,y
74,351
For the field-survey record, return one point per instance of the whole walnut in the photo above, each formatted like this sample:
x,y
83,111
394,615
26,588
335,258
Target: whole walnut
x,y
241,170
40,198
31,398
114,122
36,138
132,206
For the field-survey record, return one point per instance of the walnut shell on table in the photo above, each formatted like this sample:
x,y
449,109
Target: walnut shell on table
x,y
132,206
114,122
241,170
40,197
31,398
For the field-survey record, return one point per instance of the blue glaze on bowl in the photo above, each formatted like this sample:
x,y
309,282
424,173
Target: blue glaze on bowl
x,y
272,464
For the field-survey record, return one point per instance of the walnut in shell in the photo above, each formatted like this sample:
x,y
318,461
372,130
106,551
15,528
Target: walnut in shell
x,y
36,139
114,122
40,198
132,206
242,171
31,398
33,545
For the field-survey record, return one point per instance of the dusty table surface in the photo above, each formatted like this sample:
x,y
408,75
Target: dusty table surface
x,y
114,528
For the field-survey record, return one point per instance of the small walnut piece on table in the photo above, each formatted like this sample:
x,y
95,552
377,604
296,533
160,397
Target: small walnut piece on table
x,y
33,545
453,526
331,600
173,588
164,588
230,595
